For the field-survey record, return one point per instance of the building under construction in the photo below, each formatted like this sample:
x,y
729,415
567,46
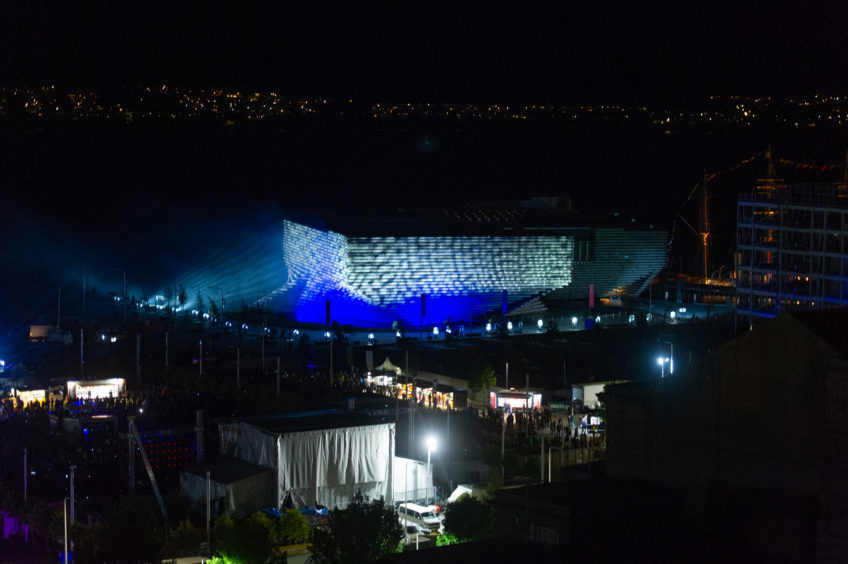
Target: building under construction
x,y
791,248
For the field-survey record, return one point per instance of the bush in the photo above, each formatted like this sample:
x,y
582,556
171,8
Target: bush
x,y
293,526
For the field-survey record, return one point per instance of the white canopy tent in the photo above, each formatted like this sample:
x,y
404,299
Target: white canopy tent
x,y
322,460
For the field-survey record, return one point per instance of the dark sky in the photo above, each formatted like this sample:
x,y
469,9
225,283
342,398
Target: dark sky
x,y
536,51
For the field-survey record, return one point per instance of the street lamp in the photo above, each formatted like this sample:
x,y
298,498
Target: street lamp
x,y
670,356
431,446
65,513
661,361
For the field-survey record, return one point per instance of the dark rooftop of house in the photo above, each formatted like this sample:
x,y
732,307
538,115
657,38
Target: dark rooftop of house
x,y
316,420
228,471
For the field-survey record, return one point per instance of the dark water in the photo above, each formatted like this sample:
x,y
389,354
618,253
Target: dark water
x,y
80,194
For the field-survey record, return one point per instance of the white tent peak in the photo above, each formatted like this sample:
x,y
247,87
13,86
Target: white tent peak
x,y
387,366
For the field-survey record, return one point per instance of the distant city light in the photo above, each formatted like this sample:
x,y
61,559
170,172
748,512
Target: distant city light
x,y
540,323
371,336
574,320
436,331
509,325
488,327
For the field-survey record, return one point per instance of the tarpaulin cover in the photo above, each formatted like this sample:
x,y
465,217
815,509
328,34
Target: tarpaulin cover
x,y
317,466
330,466
410,479
237,487
248,442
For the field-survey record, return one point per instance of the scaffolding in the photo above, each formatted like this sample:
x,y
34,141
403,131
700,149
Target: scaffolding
x,y
791,252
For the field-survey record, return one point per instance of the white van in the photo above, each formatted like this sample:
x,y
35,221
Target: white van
x,y
424,518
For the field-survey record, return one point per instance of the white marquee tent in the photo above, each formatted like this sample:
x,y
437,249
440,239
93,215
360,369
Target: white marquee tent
x,y
319,458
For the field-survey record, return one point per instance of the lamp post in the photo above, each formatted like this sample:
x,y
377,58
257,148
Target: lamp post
x,y
670,356
65,513
661,361
431,446
550,450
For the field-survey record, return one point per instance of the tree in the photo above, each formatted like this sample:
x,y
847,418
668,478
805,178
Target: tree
x,y
185,539
469,519
131,532
481,375
199,304
250,540
294,528
365,531
182,297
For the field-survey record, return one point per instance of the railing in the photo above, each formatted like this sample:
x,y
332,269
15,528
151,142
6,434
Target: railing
x,y
833,194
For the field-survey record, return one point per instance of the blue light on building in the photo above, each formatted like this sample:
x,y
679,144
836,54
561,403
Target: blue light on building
x,y
378,280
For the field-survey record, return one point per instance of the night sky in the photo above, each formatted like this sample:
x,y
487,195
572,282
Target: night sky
x,y
81,197
538,52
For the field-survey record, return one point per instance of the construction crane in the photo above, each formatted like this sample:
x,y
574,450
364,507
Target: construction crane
x,y
134,433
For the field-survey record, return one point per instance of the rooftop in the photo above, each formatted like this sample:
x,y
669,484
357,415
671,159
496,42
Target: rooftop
x,y
315,420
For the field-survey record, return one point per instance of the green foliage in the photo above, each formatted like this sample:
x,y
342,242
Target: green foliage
x,y
365,531
86,542
185,539
131,532
224,535
250,540
447,539
481,375
294,528
495,483
469,519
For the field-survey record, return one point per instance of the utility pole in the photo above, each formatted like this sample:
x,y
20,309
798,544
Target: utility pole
x,y
131,458
410,408
138,359
198,429
208,505
72,493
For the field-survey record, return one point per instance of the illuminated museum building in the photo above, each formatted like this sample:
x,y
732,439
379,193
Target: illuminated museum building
x,y
460,266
